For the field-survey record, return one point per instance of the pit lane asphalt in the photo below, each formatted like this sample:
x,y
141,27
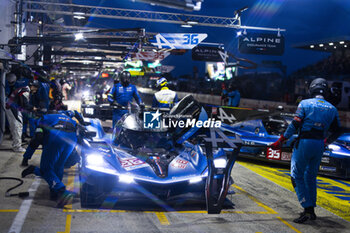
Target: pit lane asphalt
x,y
263,202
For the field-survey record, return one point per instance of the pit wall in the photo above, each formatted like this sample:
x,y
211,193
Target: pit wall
x,y
147,95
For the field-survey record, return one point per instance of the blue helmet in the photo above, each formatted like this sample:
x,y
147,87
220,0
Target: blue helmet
x,y
162,82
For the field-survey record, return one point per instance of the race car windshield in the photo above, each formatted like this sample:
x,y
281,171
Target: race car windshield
x,y
143,139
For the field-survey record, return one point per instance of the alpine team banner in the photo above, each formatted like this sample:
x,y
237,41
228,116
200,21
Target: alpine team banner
x,y
205,53
178,40
261,44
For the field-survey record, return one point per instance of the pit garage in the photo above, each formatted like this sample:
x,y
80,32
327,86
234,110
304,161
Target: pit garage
x,y
205,163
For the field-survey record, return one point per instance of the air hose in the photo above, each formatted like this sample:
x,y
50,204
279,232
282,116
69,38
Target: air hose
x,y
20,194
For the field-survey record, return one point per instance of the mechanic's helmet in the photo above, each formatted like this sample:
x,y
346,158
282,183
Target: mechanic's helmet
x,y
34,83
125,78
162,82
52,78
318,86
11,79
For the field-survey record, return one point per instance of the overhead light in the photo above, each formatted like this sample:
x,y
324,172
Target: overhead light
x,y
321,45
78,17
79,36
335,47
154,50
186,25
341,42
239,33
331,44
312,46
191,22
345,46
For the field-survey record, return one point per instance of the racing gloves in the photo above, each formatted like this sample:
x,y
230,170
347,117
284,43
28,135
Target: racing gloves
x,y
278,144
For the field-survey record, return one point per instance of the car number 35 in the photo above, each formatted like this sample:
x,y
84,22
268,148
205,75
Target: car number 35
x,y
273,154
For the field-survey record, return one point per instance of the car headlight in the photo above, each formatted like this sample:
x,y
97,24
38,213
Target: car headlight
x,y
96,162
195,180
220,163
126,179
333,147
95,159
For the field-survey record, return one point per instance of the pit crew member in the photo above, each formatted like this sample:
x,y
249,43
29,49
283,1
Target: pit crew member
x,y
314,118
122,94
164,98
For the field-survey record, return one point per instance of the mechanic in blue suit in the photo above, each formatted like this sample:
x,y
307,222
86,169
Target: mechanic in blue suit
x,y
234,96
122,94
314,118
164,98
57,134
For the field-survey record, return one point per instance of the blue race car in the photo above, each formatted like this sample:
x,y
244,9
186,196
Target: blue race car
x,y
258,134
163,165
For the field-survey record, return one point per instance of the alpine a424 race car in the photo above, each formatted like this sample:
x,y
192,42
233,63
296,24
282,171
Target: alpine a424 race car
x,y
156,163
257,134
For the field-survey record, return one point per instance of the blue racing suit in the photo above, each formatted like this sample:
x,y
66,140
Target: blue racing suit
x,y
234,97
164,98
123,96
314,118
57,134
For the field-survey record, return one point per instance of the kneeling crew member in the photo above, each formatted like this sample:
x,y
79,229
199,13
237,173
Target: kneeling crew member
x,y
57,133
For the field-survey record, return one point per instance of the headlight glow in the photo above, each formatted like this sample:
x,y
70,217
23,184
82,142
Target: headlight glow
x,y
220,163
195,180
333,147
95,160
126,179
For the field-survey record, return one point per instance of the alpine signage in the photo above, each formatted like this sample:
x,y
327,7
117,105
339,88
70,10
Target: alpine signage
x,y
206,53
261,44
178,40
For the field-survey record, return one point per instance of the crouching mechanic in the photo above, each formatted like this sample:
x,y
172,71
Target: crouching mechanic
x,y
122,94
314,118
164,98
57,134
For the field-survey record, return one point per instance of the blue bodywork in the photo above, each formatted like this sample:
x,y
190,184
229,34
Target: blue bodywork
x,y
150,164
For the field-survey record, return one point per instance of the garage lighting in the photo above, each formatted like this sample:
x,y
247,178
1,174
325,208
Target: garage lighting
x,y
321,45
335,47
345,46
191,22
312,46
79,36
126,179
186,25
331,44
341,42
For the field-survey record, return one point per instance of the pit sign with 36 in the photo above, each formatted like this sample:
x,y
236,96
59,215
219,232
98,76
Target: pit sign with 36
x,y
178,40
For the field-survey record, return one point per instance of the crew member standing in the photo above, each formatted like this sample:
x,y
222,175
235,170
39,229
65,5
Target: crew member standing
x,y
122,94
164,98
314,118
16,100
234,97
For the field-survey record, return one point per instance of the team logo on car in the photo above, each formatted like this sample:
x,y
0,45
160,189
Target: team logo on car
x,y
152,120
